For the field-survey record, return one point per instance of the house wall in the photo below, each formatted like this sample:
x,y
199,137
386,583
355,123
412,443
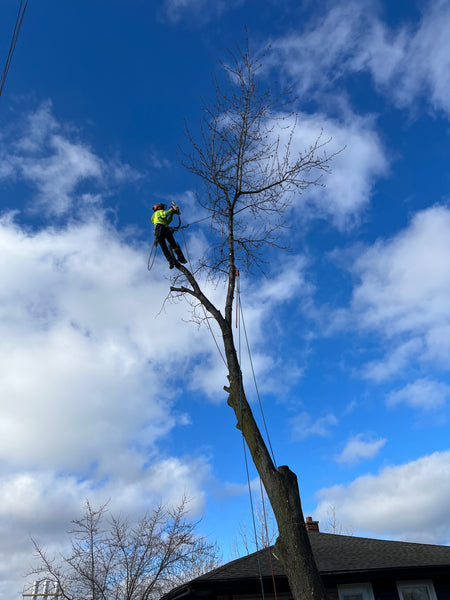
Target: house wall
x,y
442,586
386,588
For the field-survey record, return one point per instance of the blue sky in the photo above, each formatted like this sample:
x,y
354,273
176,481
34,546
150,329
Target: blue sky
x,y
108,391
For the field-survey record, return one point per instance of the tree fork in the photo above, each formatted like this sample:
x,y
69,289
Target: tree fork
x,y
247,163
292,546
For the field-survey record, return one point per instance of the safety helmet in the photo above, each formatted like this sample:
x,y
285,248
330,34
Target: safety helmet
x,y
159,207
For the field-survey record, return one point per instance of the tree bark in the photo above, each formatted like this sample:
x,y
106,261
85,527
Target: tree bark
x,y
292,547
245,166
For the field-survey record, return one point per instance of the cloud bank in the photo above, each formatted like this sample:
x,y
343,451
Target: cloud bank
x,y
404,502
408,65
402,294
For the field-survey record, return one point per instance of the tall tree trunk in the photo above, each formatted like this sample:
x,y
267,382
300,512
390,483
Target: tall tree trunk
x,y
292,547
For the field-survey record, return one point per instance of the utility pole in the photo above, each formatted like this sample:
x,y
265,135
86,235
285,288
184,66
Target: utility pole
x,y
45,588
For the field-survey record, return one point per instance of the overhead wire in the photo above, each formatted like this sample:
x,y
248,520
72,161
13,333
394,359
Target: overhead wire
x,y
17,26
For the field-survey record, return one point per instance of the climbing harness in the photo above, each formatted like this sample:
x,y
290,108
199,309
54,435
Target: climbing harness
x,y
152,255
179,227
239,320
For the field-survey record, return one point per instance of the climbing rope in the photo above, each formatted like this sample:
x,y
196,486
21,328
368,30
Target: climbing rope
x,y
204,309
151,258
240,318
256,385
194,222
252,508
152,255
267,539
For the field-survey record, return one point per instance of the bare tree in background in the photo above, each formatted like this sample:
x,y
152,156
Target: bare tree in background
x,y
110,559
251,174
261,534
333,525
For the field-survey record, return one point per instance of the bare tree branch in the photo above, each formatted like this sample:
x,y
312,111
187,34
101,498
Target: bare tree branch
x,y
113,560
251,172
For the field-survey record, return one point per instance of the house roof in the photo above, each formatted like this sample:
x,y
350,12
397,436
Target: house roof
x,y
335,555
343,553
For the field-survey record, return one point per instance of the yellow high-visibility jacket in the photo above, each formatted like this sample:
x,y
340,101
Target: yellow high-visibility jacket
x,y
162,217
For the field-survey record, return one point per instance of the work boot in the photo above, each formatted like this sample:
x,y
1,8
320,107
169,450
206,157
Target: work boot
x,y
180,256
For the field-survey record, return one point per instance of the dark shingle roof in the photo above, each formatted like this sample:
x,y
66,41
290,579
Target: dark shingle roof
x,y
334,554
341,553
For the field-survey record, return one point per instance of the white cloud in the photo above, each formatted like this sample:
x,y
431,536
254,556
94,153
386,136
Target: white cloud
x,y
397,359
287,282
318,56
407,64
57,175
239,489
82,406
360,159
86,394
260,301
403,293
42,504
424,394
46,501
75,301
82,403
303,426
406,502
51,158
417,60
357,448
200,11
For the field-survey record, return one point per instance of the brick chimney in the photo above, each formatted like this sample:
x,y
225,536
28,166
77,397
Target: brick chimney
x,y
311,525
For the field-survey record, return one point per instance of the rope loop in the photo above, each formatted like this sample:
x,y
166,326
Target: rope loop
x,y
152,255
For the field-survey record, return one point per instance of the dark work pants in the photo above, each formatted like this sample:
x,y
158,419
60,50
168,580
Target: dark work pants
x,y
163,235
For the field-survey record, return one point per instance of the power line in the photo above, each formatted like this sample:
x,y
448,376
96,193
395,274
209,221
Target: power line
x,y
17,26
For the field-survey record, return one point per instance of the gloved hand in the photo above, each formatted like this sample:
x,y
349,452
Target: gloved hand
x,y
175,208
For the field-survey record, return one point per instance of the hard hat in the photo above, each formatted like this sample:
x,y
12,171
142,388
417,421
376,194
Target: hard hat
x,y
159,207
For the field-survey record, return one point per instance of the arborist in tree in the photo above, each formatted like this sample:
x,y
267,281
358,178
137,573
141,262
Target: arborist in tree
x,y
161,219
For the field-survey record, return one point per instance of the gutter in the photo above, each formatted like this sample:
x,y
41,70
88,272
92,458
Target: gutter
x,y
183,592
